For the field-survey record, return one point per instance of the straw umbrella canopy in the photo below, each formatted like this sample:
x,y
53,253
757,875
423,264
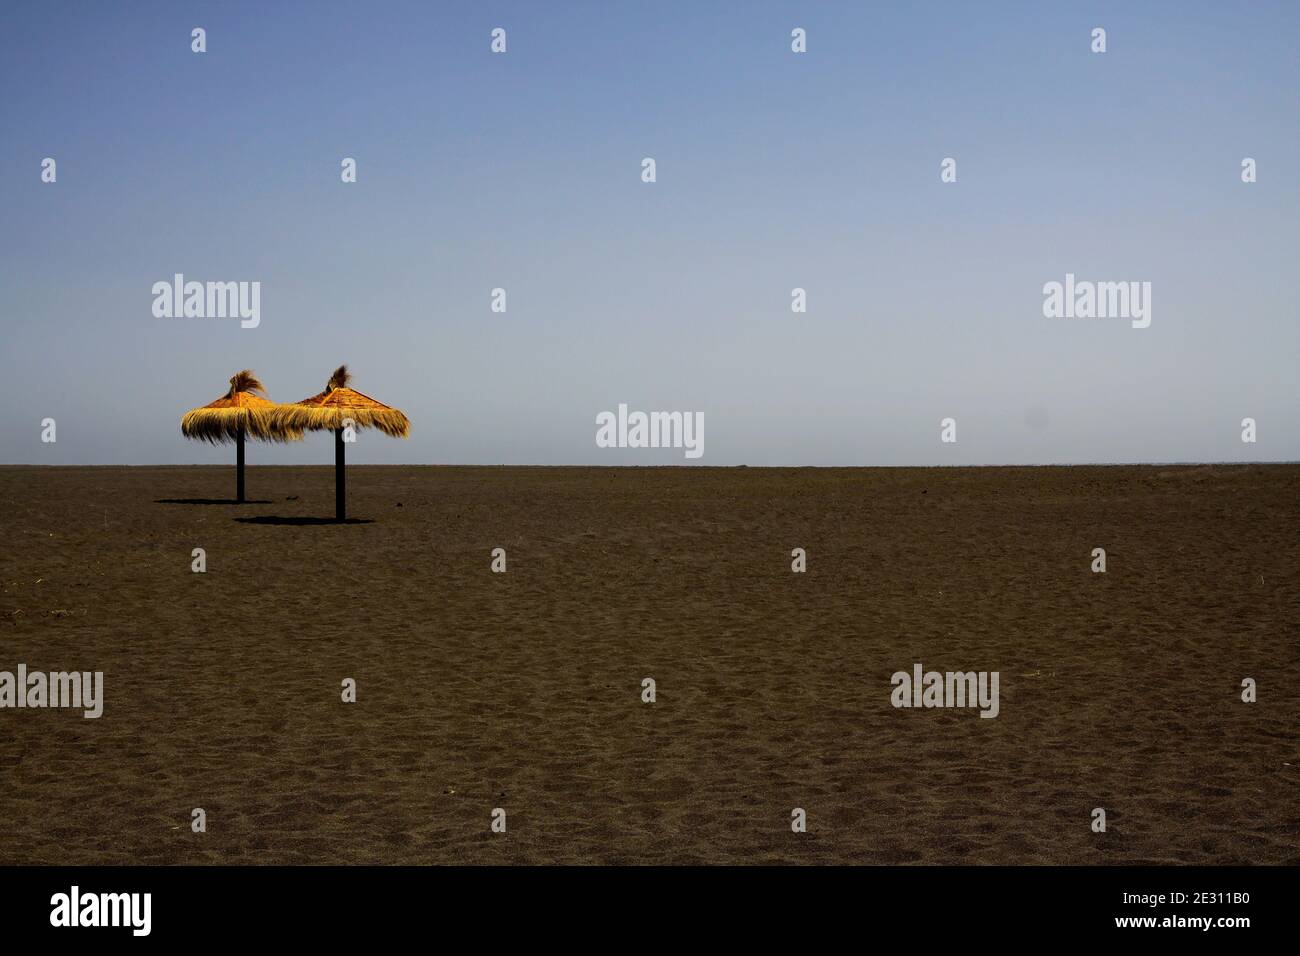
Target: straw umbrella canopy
x,y
240,412
335,409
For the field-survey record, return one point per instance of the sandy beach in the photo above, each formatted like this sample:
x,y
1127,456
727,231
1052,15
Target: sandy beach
x,y
522,690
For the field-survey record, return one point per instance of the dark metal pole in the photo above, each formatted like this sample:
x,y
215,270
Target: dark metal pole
x,y
340,482
239,466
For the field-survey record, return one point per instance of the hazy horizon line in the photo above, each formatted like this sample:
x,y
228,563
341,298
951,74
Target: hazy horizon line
x,y
330,465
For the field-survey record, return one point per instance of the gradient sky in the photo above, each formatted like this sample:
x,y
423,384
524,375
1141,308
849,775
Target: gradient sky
x,y
775,170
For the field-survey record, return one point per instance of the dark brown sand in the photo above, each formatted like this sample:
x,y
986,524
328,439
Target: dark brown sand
x,y
522,690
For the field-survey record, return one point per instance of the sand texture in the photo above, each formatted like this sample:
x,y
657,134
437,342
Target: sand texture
x,y
523,690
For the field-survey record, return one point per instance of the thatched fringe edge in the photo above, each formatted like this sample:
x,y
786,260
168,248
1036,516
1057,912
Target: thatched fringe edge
x,y
301,418
222,425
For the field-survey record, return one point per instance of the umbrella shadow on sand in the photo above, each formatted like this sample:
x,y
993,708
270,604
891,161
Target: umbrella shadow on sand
x,y
208,501
301,520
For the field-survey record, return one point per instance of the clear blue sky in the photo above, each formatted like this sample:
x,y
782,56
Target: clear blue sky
x,y
775,170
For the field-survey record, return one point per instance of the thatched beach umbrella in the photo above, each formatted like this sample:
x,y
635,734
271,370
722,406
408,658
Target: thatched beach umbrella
x,y
335,409
240,412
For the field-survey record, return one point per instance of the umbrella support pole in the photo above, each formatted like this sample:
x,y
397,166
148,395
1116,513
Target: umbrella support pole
x,y
340,482
239,466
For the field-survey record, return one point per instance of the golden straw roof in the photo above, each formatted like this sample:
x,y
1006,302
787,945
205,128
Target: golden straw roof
x,y
240,408
338,404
